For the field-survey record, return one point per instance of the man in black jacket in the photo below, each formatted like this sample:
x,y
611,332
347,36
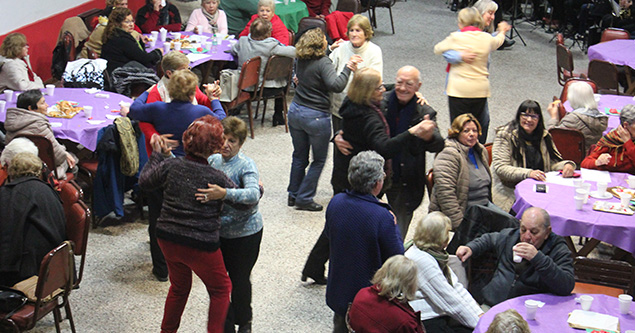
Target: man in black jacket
x,y
531,259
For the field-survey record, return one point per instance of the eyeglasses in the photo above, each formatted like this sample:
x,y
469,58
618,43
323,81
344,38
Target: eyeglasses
x,y
380,87
129,22
531,116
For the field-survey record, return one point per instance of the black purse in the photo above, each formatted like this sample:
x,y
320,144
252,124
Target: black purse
x,y
11,300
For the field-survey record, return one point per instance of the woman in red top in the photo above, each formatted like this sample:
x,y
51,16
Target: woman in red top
x,y
157,14
267,11
616,150
383,307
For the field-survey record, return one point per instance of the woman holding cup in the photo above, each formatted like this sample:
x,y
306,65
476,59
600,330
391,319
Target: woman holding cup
x,y
209,17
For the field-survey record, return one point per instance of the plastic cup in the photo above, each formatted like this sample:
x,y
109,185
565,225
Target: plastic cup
x,y
577,183
175,35
625,303
631,181
207,46
155,35
8,95
200,29
177,46
585,302
88,111
602,188
153,43
531,307
517,259
50,89
579,201
164,35
166,48
3,105
625,199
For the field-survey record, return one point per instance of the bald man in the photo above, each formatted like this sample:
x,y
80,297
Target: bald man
x,y
543,261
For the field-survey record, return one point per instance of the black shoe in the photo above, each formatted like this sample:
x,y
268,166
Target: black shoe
x,y
507,43
278,119
318,280
244,328
161,278
454,7
311,206
290,201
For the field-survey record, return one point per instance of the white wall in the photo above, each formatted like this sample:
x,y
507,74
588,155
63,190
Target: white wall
x,y
17,13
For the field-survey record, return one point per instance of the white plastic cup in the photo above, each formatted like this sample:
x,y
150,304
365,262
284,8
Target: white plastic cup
x,y
577,182
166,48
207,46
585,302
631,181
175,35
625,303
200,29
155,35
531,307
88,111
579,201
625,199
164,35
177,46
153,43
50,89
517,259
8,95
602,188
3,105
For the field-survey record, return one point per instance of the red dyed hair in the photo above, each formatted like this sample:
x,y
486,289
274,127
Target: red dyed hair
x,y
203,137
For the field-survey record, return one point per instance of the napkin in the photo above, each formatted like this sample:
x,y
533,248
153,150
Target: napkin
x,y
91,90
112,116
588,319
195,57
95,122
53,125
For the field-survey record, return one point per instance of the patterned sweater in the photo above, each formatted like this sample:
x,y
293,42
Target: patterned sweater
x,y
183,219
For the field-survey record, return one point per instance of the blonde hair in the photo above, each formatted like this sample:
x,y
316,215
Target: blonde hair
x,y
459,123
509,321
397,279
172,61
311,45
364,83
470,16
182,85
363,23
12,45
433,231
24,164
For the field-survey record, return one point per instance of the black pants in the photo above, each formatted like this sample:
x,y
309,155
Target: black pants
x,y
475,106
339,324
318,257
240,255
444,324
398,196
155,201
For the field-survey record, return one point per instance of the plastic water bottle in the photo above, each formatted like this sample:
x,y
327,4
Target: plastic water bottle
x,y
214,44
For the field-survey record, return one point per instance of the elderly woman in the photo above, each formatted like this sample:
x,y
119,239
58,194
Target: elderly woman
x,y
508,321
16,72
616,151
16,146
445,305
241,229
33,220
523,149
359,34
212,19
383,307
358,223
29,118
461,171
309,117
170,120
468,84
188,230
585,116
120,48
267,11
157,14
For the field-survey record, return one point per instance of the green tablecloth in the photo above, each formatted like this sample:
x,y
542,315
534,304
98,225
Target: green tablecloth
x,y
292,13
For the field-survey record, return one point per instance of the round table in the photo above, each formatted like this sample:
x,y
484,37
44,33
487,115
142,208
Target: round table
x,y
79,128
292,13
618,51
609,102
219,53
615,229
552,317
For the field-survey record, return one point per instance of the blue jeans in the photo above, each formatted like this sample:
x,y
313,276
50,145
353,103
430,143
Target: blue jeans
x,y
310,129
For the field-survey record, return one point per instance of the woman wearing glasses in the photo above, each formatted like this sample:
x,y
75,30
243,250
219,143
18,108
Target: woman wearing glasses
x,y
524,149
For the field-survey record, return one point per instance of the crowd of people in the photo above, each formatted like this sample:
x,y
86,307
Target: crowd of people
x,y
204,192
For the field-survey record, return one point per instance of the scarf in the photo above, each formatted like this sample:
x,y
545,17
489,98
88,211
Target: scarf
x,y
533,155
470,28
162,88
29,71
211,19
375,106
615,145
442,257
472,157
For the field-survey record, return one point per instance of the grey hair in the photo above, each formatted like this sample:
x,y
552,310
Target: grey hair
x,y
16,146
267,3
365,170
580,95
23,165
509,321
484,6
397,279
546,220
628,114
433,231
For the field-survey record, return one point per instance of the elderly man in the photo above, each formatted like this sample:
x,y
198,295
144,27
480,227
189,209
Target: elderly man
x,y
362,233
546,264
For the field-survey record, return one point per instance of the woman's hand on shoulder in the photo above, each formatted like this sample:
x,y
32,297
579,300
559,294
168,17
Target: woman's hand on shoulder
x,y
336,44
420,99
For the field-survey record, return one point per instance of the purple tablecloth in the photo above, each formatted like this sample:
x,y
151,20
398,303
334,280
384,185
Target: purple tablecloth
x,y
619,52
77,129
218,54
611,102
552,317
615,229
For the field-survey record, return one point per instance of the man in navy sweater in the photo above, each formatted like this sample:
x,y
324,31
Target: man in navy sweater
x,y
362,232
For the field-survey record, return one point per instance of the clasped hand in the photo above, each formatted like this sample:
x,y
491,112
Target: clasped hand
x,y
163,144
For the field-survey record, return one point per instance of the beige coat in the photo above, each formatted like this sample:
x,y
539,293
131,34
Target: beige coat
x,y
508,172
470,80
452,179
591,124
14,75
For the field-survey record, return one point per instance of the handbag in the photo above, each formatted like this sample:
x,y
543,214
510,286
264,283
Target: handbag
x,y
229,84
84,73
11,300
